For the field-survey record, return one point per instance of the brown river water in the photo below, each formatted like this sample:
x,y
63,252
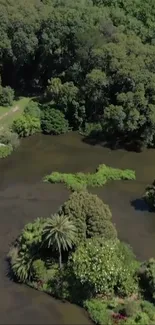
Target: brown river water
x,y
23,197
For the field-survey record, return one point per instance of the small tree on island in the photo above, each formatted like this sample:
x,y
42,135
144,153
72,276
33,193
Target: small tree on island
x,y
59,233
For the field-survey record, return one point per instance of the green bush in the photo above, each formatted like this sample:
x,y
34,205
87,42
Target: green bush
x,y
32,109
149,309
53,122
39,270
6,96
129,308
90,215
100,265
147,278
25,126
28,244
5,150
91,129
9,138
80,181
149,195
98,312
127,282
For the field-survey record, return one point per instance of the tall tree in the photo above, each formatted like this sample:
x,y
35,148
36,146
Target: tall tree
x,y
60,234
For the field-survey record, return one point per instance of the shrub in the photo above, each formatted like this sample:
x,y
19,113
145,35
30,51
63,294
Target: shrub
x,y
142,318
53,122
32,234
147,278
92,129
80,181
32,109
127,282
149,309
39,270
149,195
129,308
5,150
26,126
22,266
7,137
6,96
100,265
90,215
28,244
98,311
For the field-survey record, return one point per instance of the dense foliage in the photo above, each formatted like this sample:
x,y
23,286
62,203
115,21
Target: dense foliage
x,y
26,125
9,138
53,121
6,96
94,59
147,278
32,109
149,195
5,150
128,312
90,215
80,181
103,266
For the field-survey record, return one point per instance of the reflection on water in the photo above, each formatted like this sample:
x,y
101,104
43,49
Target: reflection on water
x,y
24,197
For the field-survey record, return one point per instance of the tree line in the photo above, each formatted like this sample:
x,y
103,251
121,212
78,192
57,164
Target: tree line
x,y
92,60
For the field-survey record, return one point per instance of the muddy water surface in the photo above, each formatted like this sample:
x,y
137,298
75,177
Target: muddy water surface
x,y
23,197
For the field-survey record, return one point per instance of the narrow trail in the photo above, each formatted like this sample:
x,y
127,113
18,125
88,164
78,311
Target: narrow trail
x,y
12,110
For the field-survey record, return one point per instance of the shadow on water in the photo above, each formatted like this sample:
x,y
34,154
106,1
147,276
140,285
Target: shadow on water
x,y
140,205
112,142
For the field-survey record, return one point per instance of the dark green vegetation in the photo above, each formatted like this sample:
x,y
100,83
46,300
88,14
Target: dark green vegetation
x,y
8,142
93,60
80,181
72,255
149,196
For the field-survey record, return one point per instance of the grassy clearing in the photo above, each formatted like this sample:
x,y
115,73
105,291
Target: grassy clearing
x,y
81,181
11,115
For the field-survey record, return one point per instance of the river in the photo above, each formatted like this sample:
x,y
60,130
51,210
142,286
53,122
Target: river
x,y
23,197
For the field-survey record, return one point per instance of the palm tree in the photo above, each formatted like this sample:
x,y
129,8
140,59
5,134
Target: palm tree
x,y
60,233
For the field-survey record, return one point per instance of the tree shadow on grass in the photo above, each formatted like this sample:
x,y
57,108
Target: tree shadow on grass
x,y
140,205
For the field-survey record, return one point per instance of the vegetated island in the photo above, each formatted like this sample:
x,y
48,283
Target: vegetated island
x,y
80,181
76,255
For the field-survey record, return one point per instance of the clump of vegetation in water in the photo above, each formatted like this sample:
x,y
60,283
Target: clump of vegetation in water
x,y
80,181
149,196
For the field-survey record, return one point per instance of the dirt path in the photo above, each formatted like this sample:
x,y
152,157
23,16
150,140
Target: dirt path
x,y
12,110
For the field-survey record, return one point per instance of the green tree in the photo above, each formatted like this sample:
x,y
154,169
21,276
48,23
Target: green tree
x,y
59,233
53,121
90,215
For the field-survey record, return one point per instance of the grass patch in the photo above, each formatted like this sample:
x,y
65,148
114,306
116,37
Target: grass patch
x,y
11,115
80,181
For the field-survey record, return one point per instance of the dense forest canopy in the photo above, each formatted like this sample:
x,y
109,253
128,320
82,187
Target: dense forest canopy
x,y
95,60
